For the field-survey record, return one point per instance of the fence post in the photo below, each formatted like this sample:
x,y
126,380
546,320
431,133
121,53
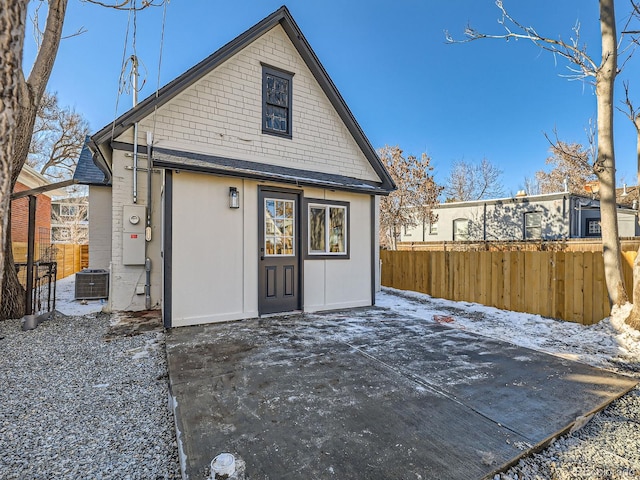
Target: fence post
x,y
30,252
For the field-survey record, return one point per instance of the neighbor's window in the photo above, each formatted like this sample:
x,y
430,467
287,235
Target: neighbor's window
x,y
276,101
593,227
433,228
533,226
460,229
68,210
327,229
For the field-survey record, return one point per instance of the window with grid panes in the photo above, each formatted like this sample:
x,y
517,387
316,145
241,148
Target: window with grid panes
x,y
276,102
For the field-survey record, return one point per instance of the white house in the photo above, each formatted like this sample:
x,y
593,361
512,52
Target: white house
x,y
69,220
260,196
554,216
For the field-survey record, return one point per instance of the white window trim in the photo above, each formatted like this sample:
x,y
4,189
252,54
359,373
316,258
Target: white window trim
x,y
460,221
529,228
327,233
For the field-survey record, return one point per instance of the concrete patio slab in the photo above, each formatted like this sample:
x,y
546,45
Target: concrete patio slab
x,y
369,394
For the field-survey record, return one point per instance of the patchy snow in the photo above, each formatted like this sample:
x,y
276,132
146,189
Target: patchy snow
x,y
65,303
145,350
609,343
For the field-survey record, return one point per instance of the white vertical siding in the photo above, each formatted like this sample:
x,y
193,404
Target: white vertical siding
x,y
99,227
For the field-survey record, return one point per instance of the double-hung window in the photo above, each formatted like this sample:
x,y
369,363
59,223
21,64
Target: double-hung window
x,y
460,230
327,229
276,101
533,226
68,210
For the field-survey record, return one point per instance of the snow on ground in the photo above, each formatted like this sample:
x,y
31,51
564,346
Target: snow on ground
x,y
65,303
608,344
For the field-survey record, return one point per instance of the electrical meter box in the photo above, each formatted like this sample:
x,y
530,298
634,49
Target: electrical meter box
x,y
133,242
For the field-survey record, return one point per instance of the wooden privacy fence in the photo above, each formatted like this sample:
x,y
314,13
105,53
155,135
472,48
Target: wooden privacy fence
x,y
557,284
568,245
70,258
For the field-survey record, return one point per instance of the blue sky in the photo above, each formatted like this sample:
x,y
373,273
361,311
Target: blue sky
x,y
486,99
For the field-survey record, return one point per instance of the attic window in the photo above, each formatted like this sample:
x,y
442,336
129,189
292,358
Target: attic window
x,y
276,102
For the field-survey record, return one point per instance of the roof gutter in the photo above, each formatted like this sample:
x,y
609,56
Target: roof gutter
x,y
101,162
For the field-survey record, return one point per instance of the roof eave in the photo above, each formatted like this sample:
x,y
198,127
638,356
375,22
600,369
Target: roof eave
x,y
195,73
202,163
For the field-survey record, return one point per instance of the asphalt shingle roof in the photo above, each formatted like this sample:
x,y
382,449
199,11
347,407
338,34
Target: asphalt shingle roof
x,y
87,172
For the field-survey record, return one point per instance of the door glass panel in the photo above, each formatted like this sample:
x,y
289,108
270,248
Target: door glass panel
x,y
270,208
279,227
270,227
269,245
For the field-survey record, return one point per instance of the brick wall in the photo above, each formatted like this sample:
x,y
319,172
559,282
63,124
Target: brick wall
x,y
127,279
20,215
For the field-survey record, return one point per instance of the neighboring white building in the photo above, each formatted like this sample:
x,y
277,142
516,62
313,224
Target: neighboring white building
x,y
70,220
263,193
554,216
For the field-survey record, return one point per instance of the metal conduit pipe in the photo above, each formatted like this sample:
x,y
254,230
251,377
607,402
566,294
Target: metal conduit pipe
x,y
135,162
147,232
134,61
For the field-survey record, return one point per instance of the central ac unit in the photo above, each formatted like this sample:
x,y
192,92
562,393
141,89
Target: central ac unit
x,y
92,284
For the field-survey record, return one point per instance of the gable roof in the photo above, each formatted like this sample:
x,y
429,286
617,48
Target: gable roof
x,y
87,171
35,183
628,195
283,17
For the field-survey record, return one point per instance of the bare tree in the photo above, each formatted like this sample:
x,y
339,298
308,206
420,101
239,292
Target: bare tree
x,y
29,92
583,66
57,139
70,221
531,185
416,194
13,15
473,181
21,99
633,114
571,163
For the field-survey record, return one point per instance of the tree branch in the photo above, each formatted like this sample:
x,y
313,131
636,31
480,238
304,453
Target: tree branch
x,y
128,4
39,76
572,51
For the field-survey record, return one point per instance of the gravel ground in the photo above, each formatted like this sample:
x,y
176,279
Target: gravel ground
x,y
607,448
74,405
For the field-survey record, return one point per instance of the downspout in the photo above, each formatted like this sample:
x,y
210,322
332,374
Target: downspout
x,y
484,222
147,231
579,219
564,214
